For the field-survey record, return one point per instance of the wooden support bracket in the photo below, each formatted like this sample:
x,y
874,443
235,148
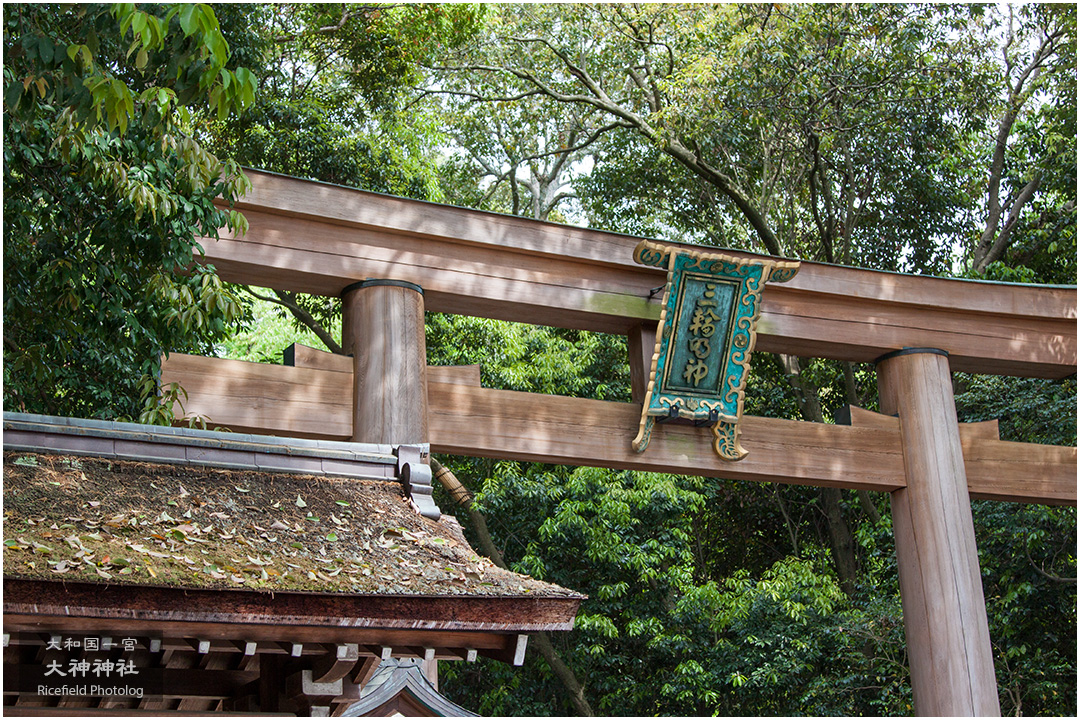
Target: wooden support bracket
x,y
336,664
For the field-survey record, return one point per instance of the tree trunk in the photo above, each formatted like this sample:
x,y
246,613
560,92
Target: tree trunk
x,y
841,541
541,640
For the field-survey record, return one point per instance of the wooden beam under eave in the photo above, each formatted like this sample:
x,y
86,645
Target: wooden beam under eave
x,y
318,238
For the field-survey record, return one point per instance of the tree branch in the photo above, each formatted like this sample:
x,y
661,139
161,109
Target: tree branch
x,y
997,249
1048,576
541,640
288,301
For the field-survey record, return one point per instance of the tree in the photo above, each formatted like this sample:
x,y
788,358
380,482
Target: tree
x,y
785,119
105,190
1038,51
329,105
668,621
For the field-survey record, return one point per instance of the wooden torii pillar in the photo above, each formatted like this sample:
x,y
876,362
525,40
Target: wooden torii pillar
x,y
382,327
948,639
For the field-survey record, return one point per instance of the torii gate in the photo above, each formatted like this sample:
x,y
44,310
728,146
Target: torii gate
x,y
390,259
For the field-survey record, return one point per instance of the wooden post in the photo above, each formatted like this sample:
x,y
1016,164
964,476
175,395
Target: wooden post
x,y
948,640
640,345
383,329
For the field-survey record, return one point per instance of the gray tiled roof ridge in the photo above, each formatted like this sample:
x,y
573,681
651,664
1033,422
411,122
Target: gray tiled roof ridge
x,y
153,443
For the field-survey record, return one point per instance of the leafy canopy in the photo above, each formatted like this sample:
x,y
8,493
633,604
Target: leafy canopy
x,y
106,191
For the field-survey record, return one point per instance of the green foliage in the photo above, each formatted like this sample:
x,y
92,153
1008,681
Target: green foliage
x,y
1043,146
330,78
531,358
698,603
659,636
267,333
105,194
823,131
329,107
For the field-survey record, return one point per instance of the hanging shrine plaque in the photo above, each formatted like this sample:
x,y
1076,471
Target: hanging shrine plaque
x,y
704,340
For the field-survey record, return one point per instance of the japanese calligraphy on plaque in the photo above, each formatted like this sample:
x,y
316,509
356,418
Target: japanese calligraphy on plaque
x,y
703,344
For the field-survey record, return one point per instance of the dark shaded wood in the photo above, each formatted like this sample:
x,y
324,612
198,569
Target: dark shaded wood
x,y
640,345
364,669
948,639
214,662
271,682
336,664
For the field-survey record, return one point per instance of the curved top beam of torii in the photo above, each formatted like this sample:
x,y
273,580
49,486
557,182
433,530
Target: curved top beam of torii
x,y
318,238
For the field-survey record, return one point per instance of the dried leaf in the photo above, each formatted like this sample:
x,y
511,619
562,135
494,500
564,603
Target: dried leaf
x,y
300,502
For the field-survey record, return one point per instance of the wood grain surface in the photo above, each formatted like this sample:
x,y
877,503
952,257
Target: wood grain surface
x,y
948,639
319,238
466,419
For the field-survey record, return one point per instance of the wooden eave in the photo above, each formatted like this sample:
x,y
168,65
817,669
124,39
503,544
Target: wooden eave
x,y
224,615
404,692
318,238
